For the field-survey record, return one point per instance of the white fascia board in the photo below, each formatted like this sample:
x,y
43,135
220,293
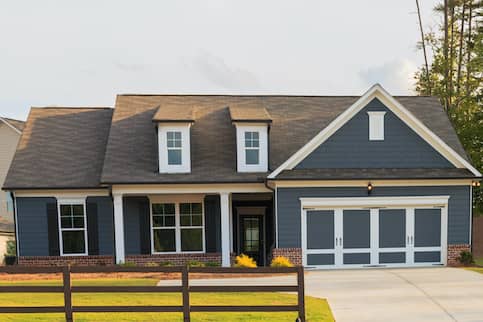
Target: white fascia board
x,y
190,188
10,125
376,91
62,194
374,201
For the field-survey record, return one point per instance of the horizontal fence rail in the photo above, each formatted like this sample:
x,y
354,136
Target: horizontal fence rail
x,y
185,289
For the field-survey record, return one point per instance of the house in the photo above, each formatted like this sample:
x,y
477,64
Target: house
x,y
10,131
330,182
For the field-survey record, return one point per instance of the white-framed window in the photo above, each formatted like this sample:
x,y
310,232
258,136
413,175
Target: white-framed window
x,y
72,227
177,226
252,147
174,148
376,125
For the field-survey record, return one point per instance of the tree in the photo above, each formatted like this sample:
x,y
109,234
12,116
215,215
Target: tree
x,y
455,74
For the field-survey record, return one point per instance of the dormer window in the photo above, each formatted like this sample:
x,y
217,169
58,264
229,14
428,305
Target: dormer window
x,y
174,148
376,125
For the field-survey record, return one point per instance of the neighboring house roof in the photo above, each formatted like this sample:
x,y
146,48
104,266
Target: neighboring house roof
x,y
61,147
86,147
16,124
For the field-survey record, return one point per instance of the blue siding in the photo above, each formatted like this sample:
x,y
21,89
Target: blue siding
x,y
350,147
33,237
288,207
105,224
33,228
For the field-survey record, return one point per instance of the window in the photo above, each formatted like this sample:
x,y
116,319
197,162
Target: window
x,y
174,147
177,227
72,228
252,148
376,126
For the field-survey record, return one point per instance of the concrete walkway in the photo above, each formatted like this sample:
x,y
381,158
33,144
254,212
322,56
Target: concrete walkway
x,y
413,294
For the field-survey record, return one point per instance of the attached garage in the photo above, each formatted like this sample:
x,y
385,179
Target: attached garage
x,y
374,231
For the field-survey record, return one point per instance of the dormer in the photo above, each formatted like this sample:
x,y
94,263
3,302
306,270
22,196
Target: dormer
x,y
174,148
252,124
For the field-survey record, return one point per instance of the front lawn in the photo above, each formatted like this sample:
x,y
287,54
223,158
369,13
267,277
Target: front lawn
x,y
317,309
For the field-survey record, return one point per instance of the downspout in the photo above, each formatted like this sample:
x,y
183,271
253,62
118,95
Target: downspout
x,y
14,200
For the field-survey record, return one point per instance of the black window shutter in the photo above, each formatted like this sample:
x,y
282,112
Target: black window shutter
x,y
92,228
212,223
53,229
144,226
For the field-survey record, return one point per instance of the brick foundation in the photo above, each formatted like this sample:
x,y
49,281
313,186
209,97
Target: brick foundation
x,y
454,252
175,259
293,254
65,260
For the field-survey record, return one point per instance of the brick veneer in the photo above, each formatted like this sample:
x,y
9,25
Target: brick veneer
x,y
454,252
65,260
293,254
176,259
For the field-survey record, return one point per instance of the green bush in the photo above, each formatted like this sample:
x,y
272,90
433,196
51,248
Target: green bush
x,y
466,258
11,248
166,264
212,264
195,264
151,264
128,264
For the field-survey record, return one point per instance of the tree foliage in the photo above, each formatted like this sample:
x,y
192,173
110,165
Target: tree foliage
x,y
455,74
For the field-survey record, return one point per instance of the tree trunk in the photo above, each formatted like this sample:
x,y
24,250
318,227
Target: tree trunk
x,y
445,54
428,80
468,49
451,56
460,55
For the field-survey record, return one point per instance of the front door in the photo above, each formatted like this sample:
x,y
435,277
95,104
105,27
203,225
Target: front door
x,y
251,237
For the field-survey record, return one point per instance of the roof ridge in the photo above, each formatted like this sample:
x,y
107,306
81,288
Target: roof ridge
x,y
72,107
258,95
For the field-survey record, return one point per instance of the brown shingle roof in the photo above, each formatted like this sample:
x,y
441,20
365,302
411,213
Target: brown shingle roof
x,y
131,155
171,113
250,113
61,148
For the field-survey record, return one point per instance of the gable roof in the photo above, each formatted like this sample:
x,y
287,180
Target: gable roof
x,y
16,125
377,91
131,154
173,114
240,113
60,148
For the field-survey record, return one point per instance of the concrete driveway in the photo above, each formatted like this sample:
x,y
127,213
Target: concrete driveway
x,y
411,294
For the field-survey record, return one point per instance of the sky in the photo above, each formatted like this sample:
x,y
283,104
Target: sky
x,y
84,53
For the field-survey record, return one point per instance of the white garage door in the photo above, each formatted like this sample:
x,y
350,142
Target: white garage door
x,y
374,232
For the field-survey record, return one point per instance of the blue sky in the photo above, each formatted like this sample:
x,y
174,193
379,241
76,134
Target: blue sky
x,y
83,53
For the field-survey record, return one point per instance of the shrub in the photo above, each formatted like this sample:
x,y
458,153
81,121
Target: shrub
x,y
466,258
195,264
245,261
212,264
151,264
128,264
166,264
281,261
11,248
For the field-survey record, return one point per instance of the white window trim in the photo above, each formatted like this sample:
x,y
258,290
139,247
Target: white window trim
x,y
185,166
61,244
177,200
262,130
376,125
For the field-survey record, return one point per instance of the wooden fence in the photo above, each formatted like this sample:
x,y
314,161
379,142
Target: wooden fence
x,y
185,289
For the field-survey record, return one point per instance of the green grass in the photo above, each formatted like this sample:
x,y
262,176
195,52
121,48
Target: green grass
x,y
479,261
317,309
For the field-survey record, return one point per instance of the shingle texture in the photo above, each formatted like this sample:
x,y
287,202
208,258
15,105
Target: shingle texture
x,y
174,114
248,112
62,147
131,155
59,148
373,174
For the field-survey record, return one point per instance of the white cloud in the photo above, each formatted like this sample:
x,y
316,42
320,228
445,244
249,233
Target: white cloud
x,y
396,76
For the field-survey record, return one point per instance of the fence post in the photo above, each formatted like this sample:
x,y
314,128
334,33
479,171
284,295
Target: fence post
x,y
301,293
67,293
186,294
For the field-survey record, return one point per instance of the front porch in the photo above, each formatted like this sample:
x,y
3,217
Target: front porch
x,y
174,228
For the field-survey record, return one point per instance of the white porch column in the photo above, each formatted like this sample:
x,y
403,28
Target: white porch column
x,y
119,228
225,229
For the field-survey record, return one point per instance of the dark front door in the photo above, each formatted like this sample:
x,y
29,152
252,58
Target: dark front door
x,y
251,237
